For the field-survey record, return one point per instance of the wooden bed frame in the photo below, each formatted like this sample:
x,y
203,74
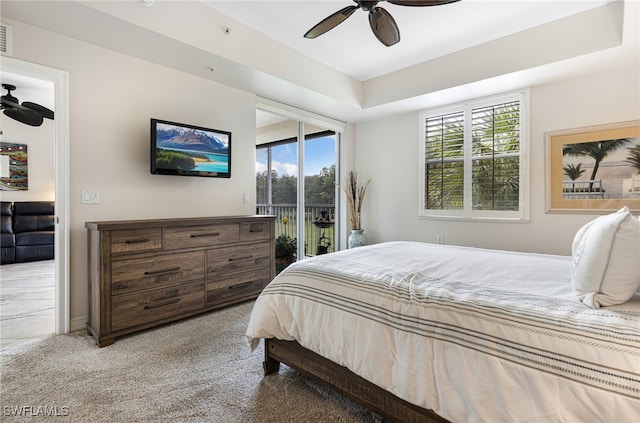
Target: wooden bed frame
x,y
344,381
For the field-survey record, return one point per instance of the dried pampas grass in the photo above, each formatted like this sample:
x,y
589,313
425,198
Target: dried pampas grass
x,y
355,197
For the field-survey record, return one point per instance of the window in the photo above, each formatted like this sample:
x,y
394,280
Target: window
x,y
474,159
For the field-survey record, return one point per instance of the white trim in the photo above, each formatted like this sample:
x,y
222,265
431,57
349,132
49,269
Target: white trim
x,y
60,80
340,223
300,115
300,199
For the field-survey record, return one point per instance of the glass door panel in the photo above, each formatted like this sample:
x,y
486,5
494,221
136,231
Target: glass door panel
x,y
277,181
320,192
304,225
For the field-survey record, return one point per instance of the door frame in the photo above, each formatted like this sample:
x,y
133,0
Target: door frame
x,y
60,81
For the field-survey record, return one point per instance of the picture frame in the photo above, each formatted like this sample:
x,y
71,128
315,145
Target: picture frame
x,y
14,174
593,169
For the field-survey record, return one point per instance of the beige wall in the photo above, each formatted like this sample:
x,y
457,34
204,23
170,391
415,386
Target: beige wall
x,y
40,164
386,150
112,97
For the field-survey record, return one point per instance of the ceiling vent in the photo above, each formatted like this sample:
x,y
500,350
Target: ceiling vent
x,y
5,39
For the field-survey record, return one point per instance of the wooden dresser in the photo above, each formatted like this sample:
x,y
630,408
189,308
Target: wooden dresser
x,y
143,273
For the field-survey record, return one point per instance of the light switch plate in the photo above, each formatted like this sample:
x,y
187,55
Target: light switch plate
x,y
90,196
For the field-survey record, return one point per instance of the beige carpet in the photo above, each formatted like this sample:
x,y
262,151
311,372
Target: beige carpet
x,y
196,370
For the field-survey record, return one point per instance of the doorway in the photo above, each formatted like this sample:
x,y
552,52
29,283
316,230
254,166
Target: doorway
x,y
296,175
60,80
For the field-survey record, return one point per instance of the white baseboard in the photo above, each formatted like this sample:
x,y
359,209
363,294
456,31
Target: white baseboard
x,y
78,323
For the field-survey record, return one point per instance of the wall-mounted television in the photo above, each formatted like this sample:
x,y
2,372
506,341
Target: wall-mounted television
x,y
189,150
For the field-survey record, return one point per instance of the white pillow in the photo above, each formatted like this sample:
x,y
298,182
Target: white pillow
x,y
606,259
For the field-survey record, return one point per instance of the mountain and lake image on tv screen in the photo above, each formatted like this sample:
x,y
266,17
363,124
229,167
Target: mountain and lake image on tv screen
x,y
191,150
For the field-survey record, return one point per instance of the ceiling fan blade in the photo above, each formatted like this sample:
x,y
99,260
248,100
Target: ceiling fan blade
x,y
47,113
421,2
384,27
26,116
330,22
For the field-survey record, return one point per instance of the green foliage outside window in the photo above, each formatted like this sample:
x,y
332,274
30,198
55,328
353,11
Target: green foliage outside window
x,y
494,162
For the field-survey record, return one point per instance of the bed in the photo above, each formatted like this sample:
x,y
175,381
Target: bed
x,y
432,333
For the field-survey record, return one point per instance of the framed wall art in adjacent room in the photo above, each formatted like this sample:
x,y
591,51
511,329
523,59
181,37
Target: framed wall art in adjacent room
x,y
13,167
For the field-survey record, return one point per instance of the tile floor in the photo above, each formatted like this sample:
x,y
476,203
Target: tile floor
x,y
27,297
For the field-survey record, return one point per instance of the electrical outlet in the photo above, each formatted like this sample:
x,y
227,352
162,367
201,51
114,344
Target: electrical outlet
x,y
440,239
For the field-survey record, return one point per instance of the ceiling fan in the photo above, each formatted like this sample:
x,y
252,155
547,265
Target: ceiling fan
x,y
28,113
382,24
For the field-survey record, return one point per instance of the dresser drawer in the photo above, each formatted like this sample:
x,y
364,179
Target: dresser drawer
x,y
237,285
200,236
239,257
154,305
136,240
154,272
255,231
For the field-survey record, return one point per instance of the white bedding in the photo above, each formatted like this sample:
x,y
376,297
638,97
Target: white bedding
x,y
475,335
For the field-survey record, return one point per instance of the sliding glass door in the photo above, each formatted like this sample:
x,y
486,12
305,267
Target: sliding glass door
x,y
296,182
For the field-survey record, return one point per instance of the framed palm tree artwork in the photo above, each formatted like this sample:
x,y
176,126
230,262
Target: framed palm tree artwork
x,y
594,169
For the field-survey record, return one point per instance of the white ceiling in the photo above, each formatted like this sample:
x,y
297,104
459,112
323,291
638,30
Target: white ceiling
x,y
446,54
426,32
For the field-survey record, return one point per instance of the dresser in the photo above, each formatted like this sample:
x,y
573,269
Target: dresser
x,y
144,273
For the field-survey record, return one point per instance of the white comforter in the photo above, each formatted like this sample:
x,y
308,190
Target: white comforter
x,y
475,335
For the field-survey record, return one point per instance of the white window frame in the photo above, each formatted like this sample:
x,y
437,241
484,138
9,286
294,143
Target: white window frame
x,y
467,213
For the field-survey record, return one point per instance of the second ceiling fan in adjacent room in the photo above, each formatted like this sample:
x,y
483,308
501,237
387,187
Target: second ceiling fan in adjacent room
x,y
29,113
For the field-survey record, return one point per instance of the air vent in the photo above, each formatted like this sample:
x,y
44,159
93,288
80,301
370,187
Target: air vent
x,y
5,39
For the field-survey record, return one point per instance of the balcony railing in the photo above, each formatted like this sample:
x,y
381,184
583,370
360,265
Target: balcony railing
x,y
312,232
582,189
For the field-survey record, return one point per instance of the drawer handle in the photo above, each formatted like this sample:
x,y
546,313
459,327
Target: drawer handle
x,y
205,235
241,285
157,272
241,258
171,301
137,241
255,230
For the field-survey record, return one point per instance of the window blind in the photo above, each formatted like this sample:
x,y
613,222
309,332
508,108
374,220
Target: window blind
x,y
496,156
444,161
